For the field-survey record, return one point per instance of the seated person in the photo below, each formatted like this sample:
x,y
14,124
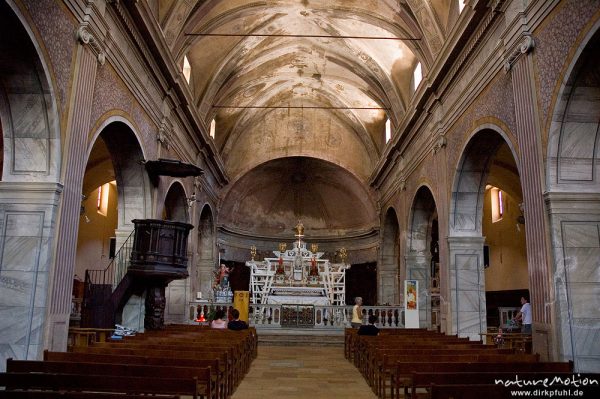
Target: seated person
x,y
369,329
236,324
220,320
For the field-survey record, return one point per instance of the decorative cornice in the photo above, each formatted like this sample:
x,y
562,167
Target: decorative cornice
x,y
84,36
525,46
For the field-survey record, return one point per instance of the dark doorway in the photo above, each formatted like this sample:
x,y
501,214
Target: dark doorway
x,y
361,280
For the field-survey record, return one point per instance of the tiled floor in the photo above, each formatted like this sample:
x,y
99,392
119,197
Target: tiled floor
x,y
302,372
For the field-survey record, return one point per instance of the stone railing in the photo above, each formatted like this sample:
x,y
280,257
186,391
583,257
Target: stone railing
x,y
319,316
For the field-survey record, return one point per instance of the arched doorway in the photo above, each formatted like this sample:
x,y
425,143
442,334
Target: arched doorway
x,y
116,191
387,272
422,257
574,207
30,161
176,209
205,260
487,165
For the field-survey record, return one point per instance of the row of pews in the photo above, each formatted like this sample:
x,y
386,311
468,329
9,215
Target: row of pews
x,y
417,363
180,361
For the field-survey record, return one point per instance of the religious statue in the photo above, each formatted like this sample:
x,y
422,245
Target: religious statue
x,y
299,229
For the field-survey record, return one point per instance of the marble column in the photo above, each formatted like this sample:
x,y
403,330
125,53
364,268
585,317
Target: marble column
x,y
27,228
418,267
74,162
467,287
575,223
520,64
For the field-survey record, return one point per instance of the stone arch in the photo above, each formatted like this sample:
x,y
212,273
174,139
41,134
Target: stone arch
x,y
133,184
573,204
465,238
387,272
28,109
175,207
206,249
418,258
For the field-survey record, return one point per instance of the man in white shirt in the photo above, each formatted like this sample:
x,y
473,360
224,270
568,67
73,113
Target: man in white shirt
x,y
524,316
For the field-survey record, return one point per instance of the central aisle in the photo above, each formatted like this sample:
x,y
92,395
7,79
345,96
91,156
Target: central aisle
x,y
302,372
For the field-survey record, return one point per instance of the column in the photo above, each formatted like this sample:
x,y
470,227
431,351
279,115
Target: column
x,y
418,267
467,286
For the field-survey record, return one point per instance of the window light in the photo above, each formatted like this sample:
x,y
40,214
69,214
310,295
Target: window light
x,y
461,5
213,128
388,130
417,75
497,204
187,69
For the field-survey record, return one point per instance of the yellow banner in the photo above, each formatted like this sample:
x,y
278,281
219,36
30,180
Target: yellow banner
x,y
241,302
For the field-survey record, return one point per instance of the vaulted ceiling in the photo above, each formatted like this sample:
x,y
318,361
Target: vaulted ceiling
x,y
310,78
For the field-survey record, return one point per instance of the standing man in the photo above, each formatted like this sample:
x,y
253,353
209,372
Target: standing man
x,y
524,316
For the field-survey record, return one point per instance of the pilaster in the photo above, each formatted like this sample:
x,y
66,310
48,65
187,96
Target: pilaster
x,y
75,158
520,65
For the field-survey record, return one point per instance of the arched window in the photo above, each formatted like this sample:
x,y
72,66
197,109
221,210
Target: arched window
x,y
417,76
187,69
213,128
388,130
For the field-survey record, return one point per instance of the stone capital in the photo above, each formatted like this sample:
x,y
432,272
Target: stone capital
x,y
85,37
524,46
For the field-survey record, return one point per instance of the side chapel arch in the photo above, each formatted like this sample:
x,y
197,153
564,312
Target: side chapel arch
x,y
388,270
465,239
419,256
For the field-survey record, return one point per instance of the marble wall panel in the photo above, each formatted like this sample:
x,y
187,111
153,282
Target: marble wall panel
x,y
133,312
577,264
28,115
176,293
30,155
20,253
581,235
584,299
17,287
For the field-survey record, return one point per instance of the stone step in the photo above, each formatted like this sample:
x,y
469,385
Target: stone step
x,y
300,340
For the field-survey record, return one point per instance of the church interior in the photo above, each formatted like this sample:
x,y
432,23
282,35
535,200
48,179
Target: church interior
x,y
327,149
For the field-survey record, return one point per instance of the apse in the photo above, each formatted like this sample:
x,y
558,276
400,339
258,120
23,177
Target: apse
x,y
271,198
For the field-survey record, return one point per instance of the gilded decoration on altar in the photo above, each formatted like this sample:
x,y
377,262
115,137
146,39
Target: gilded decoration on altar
x,y
297,275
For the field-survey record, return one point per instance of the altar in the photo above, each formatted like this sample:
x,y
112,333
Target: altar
x,y
297,276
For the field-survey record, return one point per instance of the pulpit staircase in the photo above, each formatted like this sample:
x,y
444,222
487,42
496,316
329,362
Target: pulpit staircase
x,y
107,290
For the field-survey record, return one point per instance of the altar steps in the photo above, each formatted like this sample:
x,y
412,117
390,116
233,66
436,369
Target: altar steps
x,y
300,338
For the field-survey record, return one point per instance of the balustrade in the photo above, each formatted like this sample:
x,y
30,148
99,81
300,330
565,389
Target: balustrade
x,y
324,316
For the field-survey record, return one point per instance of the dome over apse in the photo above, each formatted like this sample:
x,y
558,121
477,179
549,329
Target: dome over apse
x,y
271,198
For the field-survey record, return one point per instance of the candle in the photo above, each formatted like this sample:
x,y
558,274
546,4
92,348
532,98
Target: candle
x,y
198,295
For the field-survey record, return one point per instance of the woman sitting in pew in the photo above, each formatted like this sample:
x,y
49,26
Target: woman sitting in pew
x,y
220,320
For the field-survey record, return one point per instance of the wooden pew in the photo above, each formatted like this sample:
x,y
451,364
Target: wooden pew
x,y
75,395
421,380
403,374
215,365
94,383
205,378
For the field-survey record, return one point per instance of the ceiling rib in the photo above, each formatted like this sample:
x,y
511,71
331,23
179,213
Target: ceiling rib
x,y
294,107
303,36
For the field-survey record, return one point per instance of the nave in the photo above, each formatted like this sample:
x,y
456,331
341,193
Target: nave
x,y
292,372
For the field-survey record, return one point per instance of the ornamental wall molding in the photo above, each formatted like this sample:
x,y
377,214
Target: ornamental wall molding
x,y
85,37
525,45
